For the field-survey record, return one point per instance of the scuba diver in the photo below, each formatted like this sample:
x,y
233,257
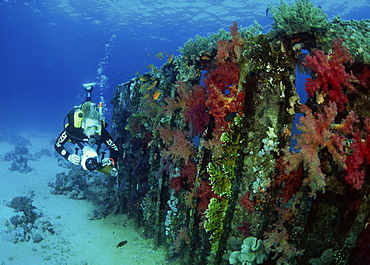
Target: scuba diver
x,y
86,128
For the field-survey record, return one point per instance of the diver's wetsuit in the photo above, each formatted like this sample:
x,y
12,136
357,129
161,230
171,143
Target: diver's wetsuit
x,y
80,138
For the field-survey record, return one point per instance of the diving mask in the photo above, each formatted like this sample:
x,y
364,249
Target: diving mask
x,y
91,127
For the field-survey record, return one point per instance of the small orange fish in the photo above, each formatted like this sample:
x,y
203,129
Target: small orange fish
x,y
146,96
204,57
142,87
159,55
152,85
156,95
142,78
170,59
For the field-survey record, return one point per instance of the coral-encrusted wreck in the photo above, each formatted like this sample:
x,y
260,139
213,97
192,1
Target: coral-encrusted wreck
x,y
210,155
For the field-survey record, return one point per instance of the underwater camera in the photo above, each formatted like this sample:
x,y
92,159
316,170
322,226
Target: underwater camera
x,y
89,159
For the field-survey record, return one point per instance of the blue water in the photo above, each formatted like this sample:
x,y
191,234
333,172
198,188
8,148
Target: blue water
x,y
49,48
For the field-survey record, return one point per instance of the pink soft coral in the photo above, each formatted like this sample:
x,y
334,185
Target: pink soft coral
x,y
318,132
177,144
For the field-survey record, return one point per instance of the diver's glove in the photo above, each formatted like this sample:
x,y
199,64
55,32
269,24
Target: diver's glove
x,y
107,162
75,159
107,167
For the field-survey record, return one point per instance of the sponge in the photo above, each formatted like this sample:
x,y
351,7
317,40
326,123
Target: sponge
x,y
252,252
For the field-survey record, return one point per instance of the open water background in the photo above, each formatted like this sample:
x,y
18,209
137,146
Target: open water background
x,y
49,48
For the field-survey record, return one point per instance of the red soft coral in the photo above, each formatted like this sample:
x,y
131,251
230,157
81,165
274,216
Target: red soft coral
x,y
196,112
188,172
223,96
247,203
187,177
355,162
222,82
176,183
364,78
245,229
224,76
205,194
289,183
331,79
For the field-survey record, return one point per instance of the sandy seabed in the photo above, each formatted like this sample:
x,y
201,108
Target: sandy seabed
x,y
77,240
